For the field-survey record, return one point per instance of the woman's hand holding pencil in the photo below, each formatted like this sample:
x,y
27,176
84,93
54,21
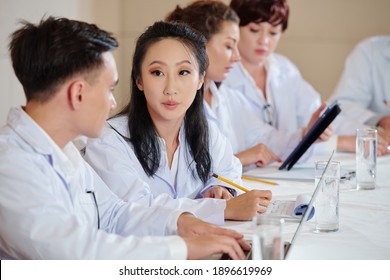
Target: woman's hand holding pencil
x,y
247,205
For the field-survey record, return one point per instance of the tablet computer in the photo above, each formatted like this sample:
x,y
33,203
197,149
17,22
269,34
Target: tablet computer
x,y
316,130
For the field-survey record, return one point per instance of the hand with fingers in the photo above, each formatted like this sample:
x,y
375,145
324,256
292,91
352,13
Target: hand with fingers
x,y
328,132
245,206
218,192
259,155
204,239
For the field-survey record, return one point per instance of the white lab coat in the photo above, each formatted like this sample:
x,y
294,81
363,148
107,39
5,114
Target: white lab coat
x,y
113,158
365,83
230,118
293,101
222,115
46,212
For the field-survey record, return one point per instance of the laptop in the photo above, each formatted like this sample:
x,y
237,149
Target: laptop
x,y
316,130
306,216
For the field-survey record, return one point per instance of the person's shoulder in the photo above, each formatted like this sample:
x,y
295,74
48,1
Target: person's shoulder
x,y
118,121
10,143
119,124
372,46
15,154
282,61
232,97
214,130
236,76
383,40
226,89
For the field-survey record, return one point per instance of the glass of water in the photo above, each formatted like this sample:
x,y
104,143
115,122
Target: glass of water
x,y
327,201
267,241
366,152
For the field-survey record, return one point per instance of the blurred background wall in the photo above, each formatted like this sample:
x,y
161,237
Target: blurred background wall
x,y
318,39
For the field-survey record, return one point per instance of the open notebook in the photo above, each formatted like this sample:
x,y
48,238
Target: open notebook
x,y
290,209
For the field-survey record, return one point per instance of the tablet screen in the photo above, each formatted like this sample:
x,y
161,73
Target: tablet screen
x,y
316,130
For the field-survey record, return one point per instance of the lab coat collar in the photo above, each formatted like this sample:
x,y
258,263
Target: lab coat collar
x,y
120,124
163,171
209,113
215,96
163,147
270,65
217,100
64,161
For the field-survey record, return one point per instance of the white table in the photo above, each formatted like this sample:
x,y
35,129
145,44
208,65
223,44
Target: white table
x,y
364,218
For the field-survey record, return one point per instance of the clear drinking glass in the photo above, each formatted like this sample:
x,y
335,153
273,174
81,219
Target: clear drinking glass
x,y
327,201
267,242
366,152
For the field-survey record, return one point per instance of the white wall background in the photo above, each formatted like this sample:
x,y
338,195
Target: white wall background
x,y
320,34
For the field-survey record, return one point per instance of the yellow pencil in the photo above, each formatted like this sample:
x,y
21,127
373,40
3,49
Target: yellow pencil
x,y
229,182
233,184
259,180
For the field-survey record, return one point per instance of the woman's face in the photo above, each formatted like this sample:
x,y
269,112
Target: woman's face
x,y
222,51
169,79
258,41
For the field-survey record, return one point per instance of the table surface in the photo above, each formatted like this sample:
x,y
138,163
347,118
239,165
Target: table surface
x,y
364,231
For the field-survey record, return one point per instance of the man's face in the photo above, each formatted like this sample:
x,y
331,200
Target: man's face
x,y
98,98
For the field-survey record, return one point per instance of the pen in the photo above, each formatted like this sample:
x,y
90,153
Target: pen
x,y
259,180
348,176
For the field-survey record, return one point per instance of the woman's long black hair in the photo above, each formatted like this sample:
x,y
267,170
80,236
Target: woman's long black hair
x,y
143,135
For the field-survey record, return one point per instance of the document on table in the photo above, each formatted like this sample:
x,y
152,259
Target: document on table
x,y
304,173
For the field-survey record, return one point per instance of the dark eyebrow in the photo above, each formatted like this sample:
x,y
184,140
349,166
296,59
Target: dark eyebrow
x,y
163,63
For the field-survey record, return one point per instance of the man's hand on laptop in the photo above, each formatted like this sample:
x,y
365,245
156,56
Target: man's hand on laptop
x,y
204,239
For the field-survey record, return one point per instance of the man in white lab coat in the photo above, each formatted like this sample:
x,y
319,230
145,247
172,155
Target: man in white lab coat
x,y
364,87
52,204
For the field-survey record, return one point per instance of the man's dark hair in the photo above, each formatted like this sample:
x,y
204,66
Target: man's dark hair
x,y
47,54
